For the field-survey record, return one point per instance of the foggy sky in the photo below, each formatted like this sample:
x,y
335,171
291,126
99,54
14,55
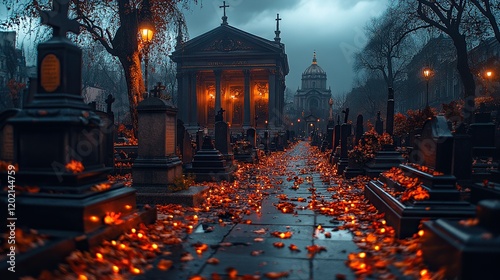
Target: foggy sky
x,y
332,28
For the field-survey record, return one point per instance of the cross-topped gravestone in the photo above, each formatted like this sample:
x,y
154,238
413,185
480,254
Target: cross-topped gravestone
x,y
58,19
157,89
224,6
109,102
59,60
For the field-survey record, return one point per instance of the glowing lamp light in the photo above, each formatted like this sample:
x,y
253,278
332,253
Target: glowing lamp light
x,y
82,277
427,73
135,271
128,207
421,233
99,256
154,246
116,269
94,219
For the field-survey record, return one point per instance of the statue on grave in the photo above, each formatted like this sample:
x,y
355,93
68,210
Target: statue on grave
x,y
219,117
346,116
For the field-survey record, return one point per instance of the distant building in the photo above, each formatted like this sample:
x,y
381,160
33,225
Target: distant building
x,y
311,100
445,84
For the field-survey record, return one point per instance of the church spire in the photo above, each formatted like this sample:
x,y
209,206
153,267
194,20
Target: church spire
x,y
277,32
224,18
314,58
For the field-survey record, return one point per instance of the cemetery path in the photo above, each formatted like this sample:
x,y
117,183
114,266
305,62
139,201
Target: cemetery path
x,y
312,247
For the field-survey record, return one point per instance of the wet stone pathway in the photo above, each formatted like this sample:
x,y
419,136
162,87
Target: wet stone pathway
x,y
252,248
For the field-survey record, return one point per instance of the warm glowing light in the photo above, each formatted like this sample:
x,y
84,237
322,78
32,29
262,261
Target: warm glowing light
x,y
427,73
319,227
113,242
133,230
423,272
74,166
362,255
377,247
383,222
123,246
282,235
82,277
382,230
135,271
175,224
116,269
421,233
489,74
195,217
140,235
94,219
99,256
154,246
128,207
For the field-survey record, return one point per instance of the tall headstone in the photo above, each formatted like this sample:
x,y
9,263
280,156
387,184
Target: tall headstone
x,y
56,148
7,135
222,142
389,126
379,124
157,164
345,133
359,129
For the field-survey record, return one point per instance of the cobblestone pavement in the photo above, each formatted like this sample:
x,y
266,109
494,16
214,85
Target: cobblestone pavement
x,y
250,248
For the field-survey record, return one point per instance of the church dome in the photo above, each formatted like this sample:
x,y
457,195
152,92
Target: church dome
x,y
314,69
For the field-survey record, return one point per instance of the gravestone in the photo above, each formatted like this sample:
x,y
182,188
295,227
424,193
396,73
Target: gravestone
x,y
467,249
335,157
359,129
345,133
156,165
184,144
330,129
353,168
482,133
7,135
56,140
209,164
379,124
222,142
433,171
389,126
199,139
107,130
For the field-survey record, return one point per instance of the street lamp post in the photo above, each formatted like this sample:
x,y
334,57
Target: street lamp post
x,y
427,75
489,76
146,32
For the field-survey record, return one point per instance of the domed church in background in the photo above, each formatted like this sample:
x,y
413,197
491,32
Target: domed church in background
x,y
311,101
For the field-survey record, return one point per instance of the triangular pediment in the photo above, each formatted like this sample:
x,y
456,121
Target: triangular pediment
x,y
226,38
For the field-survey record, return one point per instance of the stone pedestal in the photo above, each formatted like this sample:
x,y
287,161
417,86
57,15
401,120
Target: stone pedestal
x,y
209,164
353,169
465,250
444,201
156,165
383,160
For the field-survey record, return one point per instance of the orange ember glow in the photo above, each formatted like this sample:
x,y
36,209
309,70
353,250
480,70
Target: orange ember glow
x,y
74,166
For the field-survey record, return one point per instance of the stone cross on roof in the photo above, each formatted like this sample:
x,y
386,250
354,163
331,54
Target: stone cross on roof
x,y
224,6
58,19
277,32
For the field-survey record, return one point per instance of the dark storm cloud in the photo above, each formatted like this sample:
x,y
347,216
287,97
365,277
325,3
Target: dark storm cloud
x,y
334,28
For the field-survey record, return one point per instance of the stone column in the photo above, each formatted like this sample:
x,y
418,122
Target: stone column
x,y
217,90
193,100
272,97
246,105
184,90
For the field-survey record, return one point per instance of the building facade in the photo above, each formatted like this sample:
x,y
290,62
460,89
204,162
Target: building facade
x,y
230,69
312,99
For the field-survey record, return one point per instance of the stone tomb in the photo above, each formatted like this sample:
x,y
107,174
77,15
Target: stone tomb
x,y
444,198
156,165
209,164
467,249
58,160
